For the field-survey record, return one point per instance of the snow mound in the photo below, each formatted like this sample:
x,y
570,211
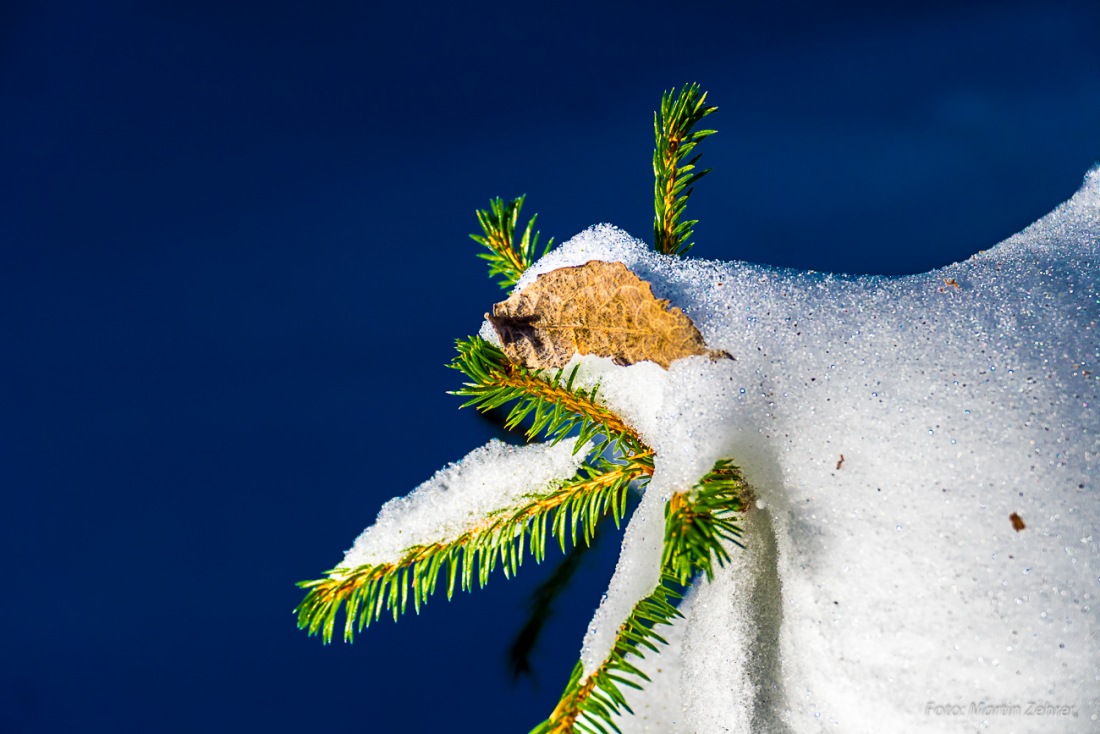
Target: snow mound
x,y
895,431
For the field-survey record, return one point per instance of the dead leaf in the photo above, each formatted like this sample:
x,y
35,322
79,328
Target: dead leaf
x,y
597,308
1017,522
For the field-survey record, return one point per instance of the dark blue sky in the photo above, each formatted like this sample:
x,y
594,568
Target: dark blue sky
x,y
233,260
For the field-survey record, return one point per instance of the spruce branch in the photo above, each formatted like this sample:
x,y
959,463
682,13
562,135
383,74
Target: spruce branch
x,y
556,407
697,522
506,257
674,174
588,704
567,513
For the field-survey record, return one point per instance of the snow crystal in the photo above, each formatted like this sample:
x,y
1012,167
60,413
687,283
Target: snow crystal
x,y
889,427
457,498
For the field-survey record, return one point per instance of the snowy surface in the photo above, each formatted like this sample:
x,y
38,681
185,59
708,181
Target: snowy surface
x,y
889,591
458,497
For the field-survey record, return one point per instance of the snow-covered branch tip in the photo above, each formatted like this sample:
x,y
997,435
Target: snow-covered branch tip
x,y
569,513
590,702
697,524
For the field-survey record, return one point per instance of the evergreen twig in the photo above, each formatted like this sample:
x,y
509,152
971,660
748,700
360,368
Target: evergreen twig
x,y
697,522
506,257
674,175
556,407
569,512
589,703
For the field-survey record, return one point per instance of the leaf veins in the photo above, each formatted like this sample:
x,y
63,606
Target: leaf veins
x,y
597,308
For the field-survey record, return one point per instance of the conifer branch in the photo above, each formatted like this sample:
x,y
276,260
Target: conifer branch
x,y
569,512
506,257
674,175
588,704
697,522
555,406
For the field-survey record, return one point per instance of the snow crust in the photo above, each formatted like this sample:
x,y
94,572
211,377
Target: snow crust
x,y
458,497
889,427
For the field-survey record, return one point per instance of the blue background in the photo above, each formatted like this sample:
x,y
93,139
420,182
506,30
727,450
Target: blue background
x,y
233,260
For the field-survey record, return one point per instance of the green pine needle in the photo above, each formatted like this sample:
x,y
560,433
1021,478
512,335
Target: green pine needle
x,y
506,257
674,174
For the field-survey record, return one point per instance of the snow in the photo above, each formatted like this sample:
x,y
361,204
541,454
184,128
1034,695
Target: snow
x,y
890,586
496,476
636,576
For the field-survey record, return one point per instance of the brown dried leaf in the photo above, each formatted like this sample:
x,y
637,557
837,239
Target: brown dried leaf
x,y
597,308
